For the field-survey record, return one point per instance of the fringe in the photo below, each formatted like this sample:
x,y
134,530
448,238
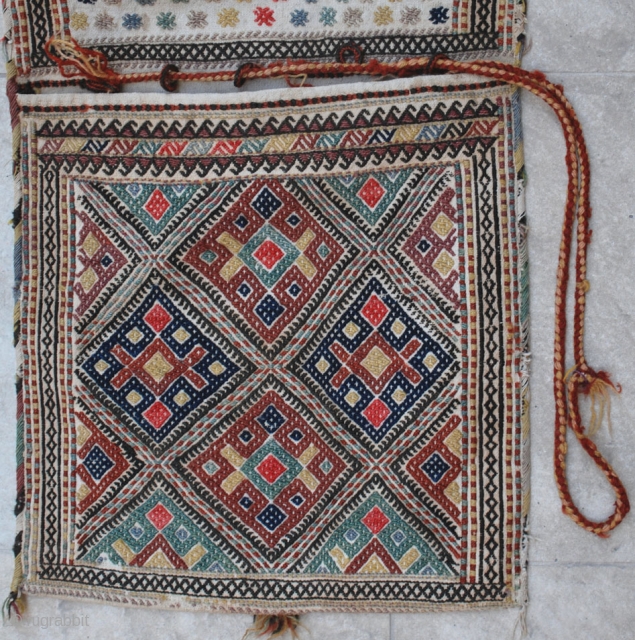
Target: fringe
x,y
15,603
274,626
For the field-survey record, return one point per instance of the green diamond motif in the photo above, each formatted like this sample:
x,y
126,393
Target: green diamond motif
x,y
273,448
269,277
208,256
175,198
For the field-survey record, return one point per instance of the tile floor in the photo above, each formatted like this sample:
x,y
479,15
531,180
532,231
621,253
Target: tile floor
x,y
581,587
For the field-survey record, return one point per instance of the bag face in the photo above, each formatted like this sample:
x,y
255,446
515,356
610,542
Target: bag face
x,y
201,36
273,355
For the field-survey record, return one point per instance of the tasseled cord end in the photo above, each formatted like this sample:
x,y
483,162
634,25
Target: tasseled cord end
x,y
13,605
273,626
598,386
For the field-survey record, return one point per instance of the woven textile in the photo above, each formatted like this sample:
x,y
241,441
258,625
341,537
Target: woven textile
x,y
273,351
197,34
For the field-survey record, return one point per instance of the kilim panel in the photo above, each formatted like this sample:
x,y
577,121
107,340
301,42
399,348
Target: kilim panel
x,y
199,35
272,350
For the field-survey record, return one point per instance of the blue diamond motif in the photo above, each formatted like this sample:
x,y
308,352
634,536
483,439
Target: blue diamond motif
x,y
136,531
351,535
294,220
266,203
245,435
296,435
98,463
297,500
294,290
269,310
244,290
271,517
134,189
118,350
106,261
398,537
271,419
435,467
241,222
182,533
245,502
423,246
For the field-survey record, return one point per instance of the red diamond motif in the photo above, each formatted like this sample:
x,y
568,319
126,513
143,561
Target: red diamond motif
x,y
371,192
157,204
376,413
269,254
374,310
271,468
375,520
158,318
156,414
160,517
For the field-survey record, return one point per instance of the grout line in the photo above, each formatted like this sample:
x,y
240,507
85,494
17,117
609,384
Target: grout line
x,y
391,635
624,565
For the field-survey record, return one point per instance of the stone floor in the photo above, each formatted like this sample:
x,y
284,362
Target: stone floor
x,y
580,587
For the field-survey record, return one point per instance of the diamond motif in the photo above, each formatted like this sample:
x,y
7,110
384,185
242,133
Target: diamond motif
x,y
427,245
266,203
104,464
372,201
181,398
444,263
98,463
90,244
270,273
102,264
157,367
376,535
158,318
155,209
157,204
88,279
376,362
374,310
371,192
442,225
268,254
271,517
376,413
375,377
159,516
271,419
271,468
375,520
156,529
287,468
435,467
154,376
269,310
134,336
157,414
